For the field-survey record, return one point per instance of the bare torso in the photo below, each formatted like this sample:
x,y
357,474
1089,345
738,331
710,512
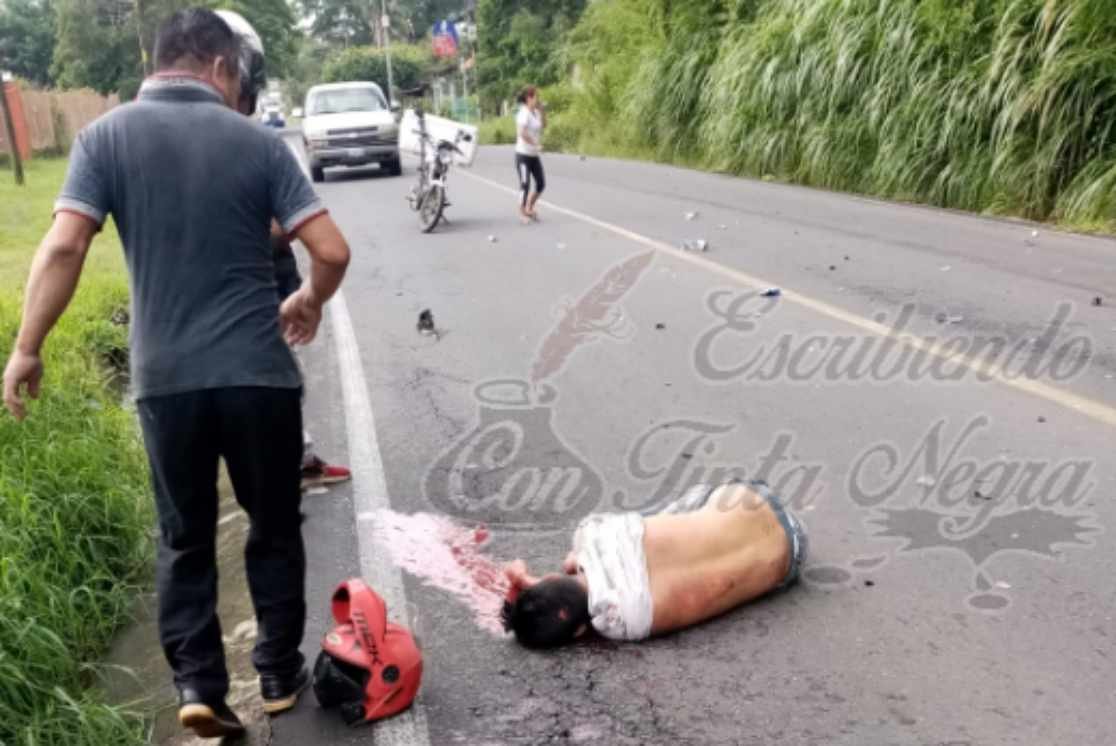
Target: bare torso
x,y
704,563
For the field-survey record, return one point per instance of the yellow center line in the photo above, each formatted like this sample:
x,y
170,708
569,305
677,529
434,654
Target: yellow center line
x,y
1089,407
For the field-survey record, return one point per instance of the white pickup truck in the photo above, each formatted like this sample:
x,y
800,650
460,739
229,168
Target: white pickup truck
x,y
349,124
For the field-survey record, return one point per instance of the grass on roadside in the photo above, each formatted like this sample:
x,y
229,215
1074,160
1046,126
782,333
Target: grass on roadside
x,y
1004,107
74,502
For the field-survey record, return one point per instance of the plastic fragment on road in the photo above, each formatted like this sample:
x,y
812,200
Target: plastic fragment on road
x,y
772,293
492,239
692,215
695,245
425,324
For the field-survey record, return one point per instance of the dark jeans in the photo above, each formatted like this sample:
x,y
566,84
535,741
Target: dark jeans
x,y
258,432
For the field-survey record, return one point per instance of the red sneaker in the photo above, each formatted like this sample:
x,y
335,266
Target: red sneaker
x,y
317,473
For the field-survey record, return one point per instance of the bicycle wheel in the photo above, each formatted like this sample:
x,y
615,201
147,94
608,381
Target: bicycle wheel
x,y
430,211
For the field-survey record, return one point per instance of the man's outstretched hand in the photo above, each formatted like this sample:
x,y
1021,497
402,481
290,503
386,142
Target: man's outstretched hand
x,y
22,376
299,317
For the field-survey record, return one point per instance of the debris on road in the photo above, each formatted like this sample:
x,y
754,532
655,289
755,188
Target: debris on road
x,y
946,268
772,293
832,267
1041,419
492,239
426,323
582,158
1098,301
660,326
846,257
869,583
695,245
692,215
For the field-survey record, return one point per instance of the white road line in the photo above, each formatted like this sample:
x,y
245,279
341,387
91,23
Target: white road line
x,y
370,494
1089,407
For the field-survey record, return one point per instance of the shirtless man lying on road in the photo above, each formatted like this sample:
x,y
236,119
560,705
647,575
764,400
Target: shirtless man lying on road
x,y
632,577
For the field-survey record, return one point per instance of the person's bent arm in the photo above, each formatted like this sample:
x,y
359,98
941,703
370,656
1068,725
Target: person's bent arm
x,y
50,287
301,313
329,256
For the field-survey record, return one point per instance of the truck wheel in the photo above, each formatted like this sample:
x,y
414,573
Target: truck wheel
x,y
395,167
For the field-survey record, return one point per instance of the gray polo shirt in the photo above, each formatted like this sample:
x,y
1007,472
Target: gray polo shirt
x,y
192,187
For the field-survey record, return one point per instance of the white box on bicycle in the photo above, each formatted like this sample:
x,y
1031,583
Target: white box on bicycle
x,y
439,128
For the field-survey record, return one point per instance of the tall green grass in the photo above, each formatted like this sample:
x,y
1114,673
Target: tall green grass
x,y
1002,106
74,509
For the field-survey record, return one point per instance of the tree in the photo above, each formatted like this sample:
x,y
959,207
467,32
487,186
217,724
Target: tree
x,y
27,39
274,21
417,17
343,23
411,65
519,43
306,70
97,46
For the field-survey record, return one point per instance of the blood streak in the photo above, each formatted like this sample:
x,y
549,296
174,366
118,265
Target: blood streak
x,y
446,556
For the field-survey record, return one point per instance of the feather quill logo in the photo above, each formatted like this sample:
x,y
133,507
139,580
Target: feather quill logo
x,y
514,470
594,315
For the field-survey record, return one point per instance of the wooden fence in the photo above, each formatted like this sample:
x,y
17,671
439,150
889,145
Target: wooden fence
x,y
49,120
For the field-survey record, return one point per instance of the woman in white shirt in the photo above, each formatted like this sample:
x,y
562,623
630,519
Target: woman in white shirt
x,y
530,122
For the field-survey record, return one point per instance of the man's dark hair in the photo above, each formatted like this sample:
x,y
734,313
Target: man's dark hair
x,y
195,36
548,614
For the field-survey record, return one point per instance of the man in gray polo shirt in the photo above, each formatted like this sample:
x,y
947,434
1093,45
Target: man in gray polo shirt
x,y
192,187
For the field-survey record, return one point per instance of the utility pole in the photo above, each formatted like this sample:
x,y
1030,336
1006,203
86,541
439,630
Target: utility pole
x,y
465,86
385,23
9,127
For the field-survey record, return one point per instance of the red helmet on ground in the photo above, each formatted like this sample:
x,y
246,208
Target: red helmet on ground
x,y
368,667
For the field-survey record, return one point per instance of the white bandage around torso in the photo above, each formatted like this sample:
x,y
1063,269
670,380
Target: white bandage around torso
x,y
609,550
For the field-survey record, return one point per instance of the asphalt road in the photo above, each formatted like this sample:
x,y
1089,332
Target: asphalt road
x,y
983,614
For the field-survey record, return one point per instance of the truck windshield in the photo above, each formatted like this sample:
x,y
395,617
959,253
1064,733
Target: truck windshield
x,y
345,99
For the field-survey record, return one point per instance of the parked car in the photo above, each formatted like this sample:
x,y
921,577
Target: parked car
x,y
272,116
349,124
